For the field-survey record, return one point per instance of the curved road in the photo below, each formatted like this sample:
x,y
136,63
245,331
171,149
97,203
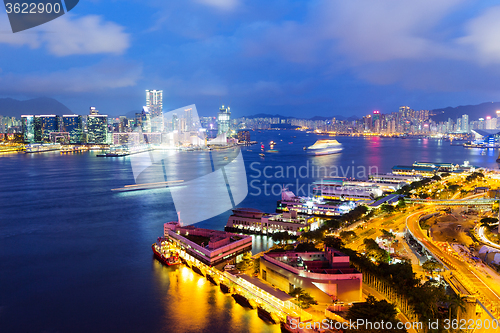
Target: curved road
x,y
487,291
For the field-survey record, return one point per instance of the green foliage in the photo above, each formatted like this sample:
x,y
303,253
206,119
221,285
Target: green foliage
x,y
347,235
334,242
354,214
474,176
281,237
374,311
305,299
487,221
401,203
388,234
431,265
386,208
306,247
374,251
246,263
314,236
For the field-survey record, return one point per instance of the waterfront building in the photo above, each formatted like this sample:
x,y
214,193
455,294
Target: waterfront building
x,y
313,206
244,136
211,247
255,221
223,120
129,139
346,190
28,127
442,167
326,275
424,171
73,124
44,125
154,103
392,178
97,127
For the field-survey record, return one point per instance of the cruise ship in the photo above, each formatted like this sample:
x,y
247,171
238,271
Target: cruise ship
x,y
324,147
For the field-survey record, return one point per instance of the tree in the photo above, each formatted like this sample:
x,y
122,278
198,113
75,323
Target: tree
x,y
436,178
304,298
388,234
348,236
386,208
457,302
401,203
430,266
374,251
334,242
305,247
374,311
281,237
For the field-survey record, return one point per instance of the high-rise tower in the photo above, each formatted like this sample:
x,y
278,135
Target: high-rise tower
x,y
223,119
154,102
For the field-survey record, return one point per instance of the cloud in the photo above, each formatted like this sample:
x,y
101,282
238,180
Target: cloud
x,y
220,4
482,36
71,35
96,78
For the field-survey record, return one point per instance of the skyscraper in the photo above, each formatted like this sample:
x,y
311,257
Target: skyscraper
x,y
97,126
44,125
465,123
28,125
223,119
73,124
154,103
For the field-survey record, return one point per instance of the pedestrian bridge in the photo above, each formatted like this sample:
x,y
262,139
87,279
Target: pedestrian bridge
x,y
452,202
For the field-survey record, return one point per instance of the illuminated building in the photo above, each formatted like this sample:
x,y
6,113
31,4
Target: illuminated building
x,y
244,136
425,171
154,103
97,126
93,111
212,247
44,125
28,126
73,124
254,221
326,275
223,119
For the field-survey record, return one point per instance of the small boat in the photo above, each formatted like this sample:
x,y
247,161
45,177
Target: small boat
x,y
197,270
243,301
211,279
225,289
262,155
267,316
167,260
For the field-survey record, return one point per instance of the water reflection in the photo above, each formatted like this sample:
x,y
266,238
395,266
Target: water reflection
x,y
193,304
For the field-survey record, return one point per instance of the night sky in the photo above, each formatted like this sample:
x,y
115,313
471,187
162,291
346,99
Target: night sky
x,y
297,58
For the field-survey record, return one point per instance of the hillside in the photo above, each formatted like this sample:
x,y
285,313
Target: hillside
x,y
43,105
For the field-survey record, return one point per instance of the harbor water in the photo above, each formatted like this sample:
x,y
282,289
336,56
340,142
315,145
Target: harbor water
x,y
76,256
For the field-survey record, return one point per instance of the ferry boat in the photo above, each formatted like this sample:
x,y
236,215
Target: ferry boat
x,y
167,260
324,147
